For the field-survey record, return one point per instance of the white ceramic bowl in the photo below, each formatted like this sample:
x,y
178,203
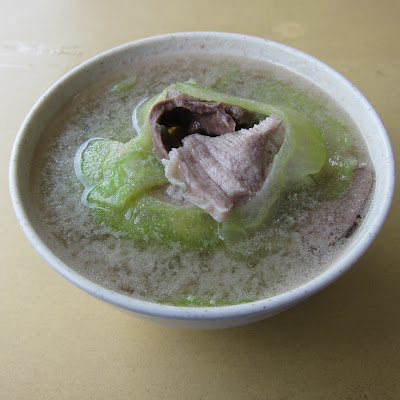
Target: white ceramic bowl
x,y
313,70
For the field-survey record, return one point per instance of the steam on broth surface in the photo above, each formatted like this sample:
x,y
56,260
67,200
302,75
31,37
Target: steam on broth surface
x,y
269,262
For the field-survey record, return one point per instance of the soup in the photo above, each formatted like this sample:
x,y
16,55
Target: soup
x,y
182,270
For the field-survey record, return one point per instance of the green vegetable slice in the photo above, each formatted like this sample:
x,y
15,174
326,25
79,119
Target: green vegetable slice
x,y
114,173
334,178
192,301
118,177
302,153
148,218
125,85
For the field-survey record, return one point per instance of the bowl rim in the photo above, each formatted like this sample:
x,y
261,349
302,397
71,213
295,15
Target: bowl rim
x,y
269,305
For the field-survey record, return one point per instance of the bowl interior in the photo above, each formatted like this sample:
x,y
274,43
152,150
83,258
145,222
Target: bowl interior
x,y
342,91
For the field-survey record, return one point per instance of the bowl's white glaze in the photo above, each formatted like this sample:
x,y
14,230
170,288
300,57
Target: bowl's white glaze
x,y
315,71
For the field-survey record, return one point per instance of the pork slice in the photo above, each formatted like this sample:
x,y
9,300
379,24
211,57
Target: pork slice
x,y
196,187
335,219
243,118
185,115
215,173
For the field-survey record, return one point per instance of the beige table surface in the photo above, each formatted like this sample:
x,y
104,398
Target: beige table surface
x,y
57,342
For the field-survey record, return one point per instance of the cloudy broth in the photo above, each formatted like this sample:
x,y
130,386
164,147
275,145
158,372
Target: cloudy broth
x,y
272,261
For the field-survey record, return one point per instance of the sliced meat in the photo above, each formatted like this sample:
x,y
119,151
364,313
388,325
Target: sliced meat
x,y
215,173
243,118
334,220
180,115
